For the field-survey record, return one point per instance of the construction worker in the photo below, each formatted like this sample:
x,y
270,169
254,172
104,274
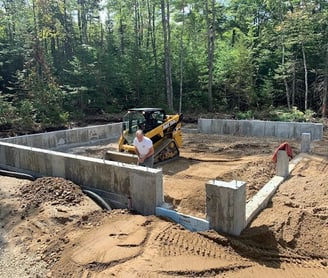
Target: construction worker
x,y
144,149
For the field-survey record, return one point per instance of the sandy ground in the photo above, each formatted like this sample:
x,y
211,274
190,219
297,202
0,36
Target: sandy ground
x,y
49,228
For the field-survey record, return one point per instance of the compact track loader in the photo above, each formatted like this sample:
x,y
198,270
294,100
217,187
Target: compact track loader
x,y
164,130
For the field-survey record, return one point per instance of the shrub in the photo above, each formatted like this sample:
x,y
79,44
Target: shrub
x,y
293,115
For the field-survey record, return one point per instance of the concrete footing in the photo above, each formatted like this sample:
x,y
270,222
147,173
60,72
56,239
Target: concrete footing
x,y
260,201
191,223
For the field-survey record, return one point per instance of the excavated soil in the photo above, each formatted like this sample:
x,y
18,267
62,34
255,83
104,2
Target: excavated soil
x,y
49,228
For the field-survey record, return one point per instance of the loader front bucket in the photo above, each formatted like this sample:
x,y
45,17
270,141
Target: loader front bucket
x,y
121,157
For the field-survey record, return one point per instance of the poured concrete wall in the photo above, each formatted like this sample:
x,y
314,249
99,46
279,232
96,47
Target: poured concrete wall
x,y
258,128
68,137
115,181
143,185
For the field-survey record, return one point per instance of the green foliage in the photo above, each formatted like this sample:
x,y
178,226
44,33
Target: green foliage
x,y
11,60
26,115
43,104
265,94
234,72
7,113
64,60
247,115
293,115
47,101
197,101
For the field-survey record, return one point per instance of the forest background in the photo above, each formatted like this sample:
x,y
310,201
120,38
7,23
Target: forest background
x,y
66,60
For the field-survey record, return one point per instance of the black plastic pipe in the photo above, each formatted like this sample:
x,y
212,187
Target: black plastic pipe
x,y
99,200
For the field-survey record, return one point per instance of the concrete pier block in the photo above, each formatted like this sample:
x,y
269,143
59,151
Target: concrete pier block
x,y
226,206
282,167
305,143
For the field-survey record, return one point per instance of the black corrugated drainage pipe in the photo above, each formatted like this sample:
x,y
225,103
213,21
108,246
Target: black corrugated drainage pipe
x,y
95,197
18,175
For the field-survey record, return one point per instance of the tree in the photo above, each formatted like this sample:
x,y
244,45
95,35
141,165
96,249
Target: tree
x,y
210,14
188,55
165,10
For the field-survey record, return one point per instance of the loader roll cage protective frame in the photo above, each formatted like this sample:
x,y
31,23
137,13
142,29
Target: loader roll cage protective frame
x,y
145,119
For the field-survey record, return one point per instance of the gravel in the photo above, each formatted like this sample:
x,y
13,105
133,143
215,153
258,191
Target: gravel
x,y
15,263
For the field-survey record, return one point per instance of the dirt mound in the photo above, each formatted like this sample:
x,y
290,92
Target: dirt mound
x,y
57,191
255,173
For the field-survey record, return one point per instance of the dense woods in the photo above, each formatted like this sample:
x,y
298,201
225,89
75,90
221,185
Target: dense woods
x,y
63,60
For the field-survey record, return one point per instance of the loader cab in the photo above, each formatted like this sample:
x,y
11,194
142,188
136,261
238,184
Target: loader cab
x,y
145,119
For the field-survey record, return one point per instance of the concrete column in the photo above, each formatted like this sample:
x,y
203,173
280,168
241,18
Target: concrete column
x,y
306,141
226,206
282,166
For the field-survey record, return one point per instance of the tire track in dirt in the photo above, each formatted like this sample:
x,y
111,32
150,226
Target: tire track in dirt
x,y
175,242
280,255
293,263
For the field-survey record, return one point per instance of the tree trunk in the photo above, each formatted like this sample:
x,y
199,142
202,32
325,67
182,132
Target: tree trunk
x,y
66,45
169,54
151,41
305,79
149,29
210,50
325,87
284,73
136,50
83,22
137,24
36,46
167,60
9,23
181,59
294,84
121,31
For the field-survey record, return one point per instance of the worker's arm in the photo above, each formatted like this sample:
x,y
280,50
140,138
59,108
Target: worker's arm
x,y
150,153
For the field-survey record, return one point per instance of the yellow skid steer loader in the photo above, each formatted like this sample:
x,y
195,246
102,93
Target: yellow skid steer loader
x,y
164,130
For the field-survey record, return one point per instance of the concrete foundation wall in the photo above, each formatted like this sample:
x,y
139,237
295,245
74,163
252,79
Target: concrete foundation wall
x,y
69,137
143,185
258,128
